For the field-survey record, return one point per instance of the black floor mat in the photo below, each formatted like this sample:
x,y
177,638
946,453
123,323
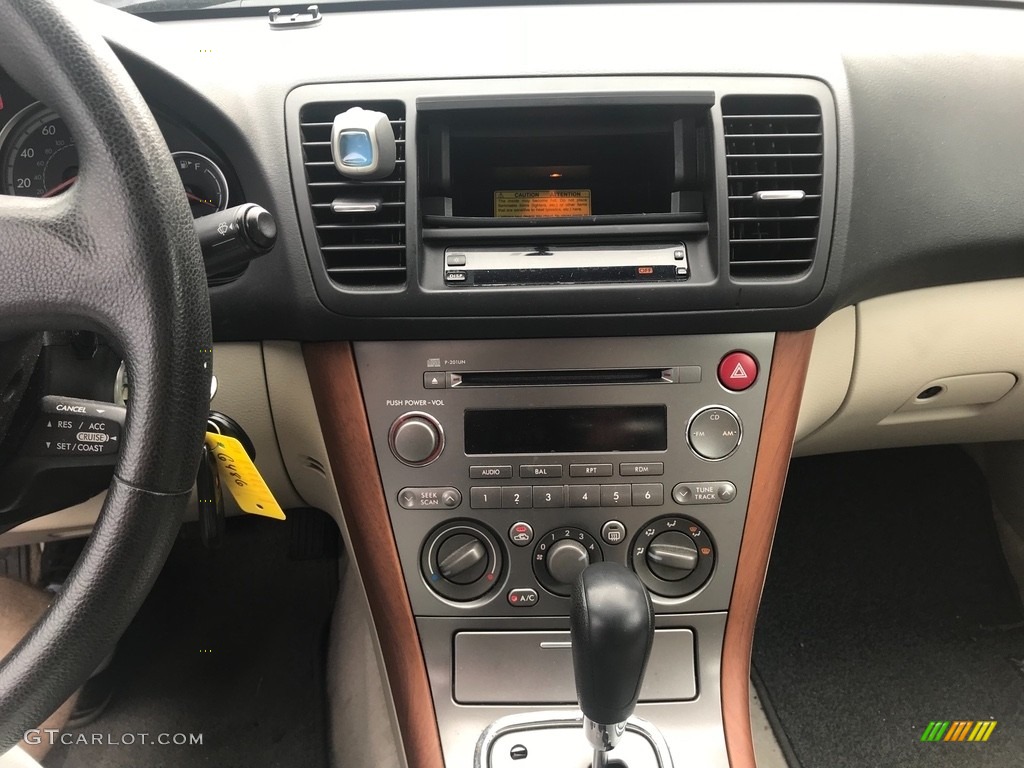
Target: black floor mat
x,y
889,605
230,645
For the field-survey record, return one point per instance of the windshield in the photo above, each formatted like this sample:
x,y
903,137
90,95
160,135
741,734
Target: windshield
x,y
177,6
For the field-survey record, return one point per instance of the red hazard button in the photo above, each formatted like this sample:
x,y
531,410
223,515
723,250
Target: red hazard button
x,y
737,371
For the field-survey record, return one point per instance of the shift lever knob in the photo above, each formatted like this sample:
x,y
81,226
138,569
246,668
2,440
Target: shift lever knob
x,y
612,624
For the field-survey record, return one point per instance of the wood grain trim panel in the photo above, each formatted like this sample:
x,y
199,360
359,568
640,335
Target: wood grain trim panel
x,y
782,406
339,403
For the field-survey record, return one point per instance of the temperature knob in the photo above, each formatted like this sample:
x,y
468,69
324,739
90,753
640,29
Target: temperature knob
x,y
461,560
416,438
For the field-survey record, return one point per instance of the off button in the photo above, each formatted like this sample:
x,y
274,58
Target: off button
x,y
714,433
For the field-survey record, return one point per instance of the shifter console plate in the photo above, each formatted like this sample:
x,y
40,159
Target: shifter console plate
x,y
539,739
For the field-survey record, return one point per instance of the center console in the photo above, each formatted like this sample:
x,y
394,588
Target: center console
x,y
611,252
509,466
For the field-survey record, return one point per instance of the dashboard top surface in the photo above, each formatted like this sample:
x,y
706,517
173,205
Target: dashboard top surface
x,y
927,102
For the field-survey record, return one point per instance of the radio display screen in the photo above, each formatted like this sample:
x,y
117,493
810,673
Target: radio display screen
x,y
567,430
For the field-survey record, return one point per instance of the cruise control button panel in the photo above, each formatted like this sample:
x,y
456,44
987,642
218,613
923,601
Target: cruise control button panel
x,y
70,426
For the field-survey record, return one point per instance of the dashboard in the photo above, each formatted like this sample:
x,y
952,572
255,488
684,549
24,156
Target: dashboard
x,y
552,300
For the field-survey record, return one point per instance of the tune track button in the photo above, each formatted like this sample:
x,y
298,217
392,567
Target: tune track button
x,y
703,493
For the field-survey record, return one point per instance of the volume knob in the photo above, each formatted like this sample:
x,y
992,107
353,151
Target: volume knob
x,y
416,439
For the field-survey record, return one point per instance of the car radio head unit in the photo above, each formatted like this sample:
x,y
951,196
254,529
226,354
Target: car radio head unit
x,y
510,465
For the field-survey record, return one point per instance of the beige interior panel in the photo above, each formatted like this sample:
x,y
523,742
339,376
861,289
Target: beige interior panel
x,y
242,395
967,339
299,438
363,723
831,367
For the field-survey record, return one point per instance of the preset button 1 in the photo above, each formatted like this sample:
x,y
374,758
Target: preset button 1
x,y
485,498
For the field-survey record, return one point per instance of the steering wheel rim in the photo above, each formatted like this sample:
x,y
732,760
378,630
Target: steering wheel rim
x,y
116,253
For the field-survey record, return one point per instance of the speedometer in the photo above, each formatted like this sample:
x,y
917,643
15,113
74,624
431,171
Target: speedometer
x,y
39,156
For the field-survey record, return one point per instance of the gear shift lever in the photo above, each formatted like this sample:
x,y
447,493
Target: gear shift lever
x,y
612,627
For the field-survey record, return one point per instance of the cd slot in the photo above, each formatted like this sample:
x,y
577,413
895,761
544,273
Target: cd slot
x,y
565,378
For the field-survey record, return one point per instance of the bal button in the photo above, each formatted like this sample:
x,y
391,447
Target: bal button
x,y
737,371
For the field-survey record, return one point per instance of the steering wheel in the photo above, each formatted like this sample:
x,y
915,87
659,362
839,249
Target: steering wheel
x,y
116,253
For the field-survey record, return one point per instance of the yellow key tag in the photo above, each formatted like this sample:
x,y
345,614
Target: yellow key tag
x,y
240,476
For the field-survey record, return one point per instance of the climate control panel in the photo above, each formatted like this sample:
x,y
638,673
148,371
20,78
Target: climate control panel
x,y
523,462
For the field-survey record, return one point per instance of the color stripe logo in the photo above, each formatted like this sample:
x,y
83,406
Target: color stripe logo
x,y
959,730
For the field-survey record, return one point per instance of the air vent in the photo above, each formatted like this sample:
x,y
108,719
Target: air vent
x,y
774,161
360,225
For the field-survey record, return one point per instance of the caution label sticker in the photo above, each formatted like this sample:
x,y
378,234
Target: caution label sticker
x,y
541,203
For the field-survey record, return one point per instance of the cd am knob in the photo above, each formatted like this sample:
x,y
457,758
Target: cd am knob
x,y
416,439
